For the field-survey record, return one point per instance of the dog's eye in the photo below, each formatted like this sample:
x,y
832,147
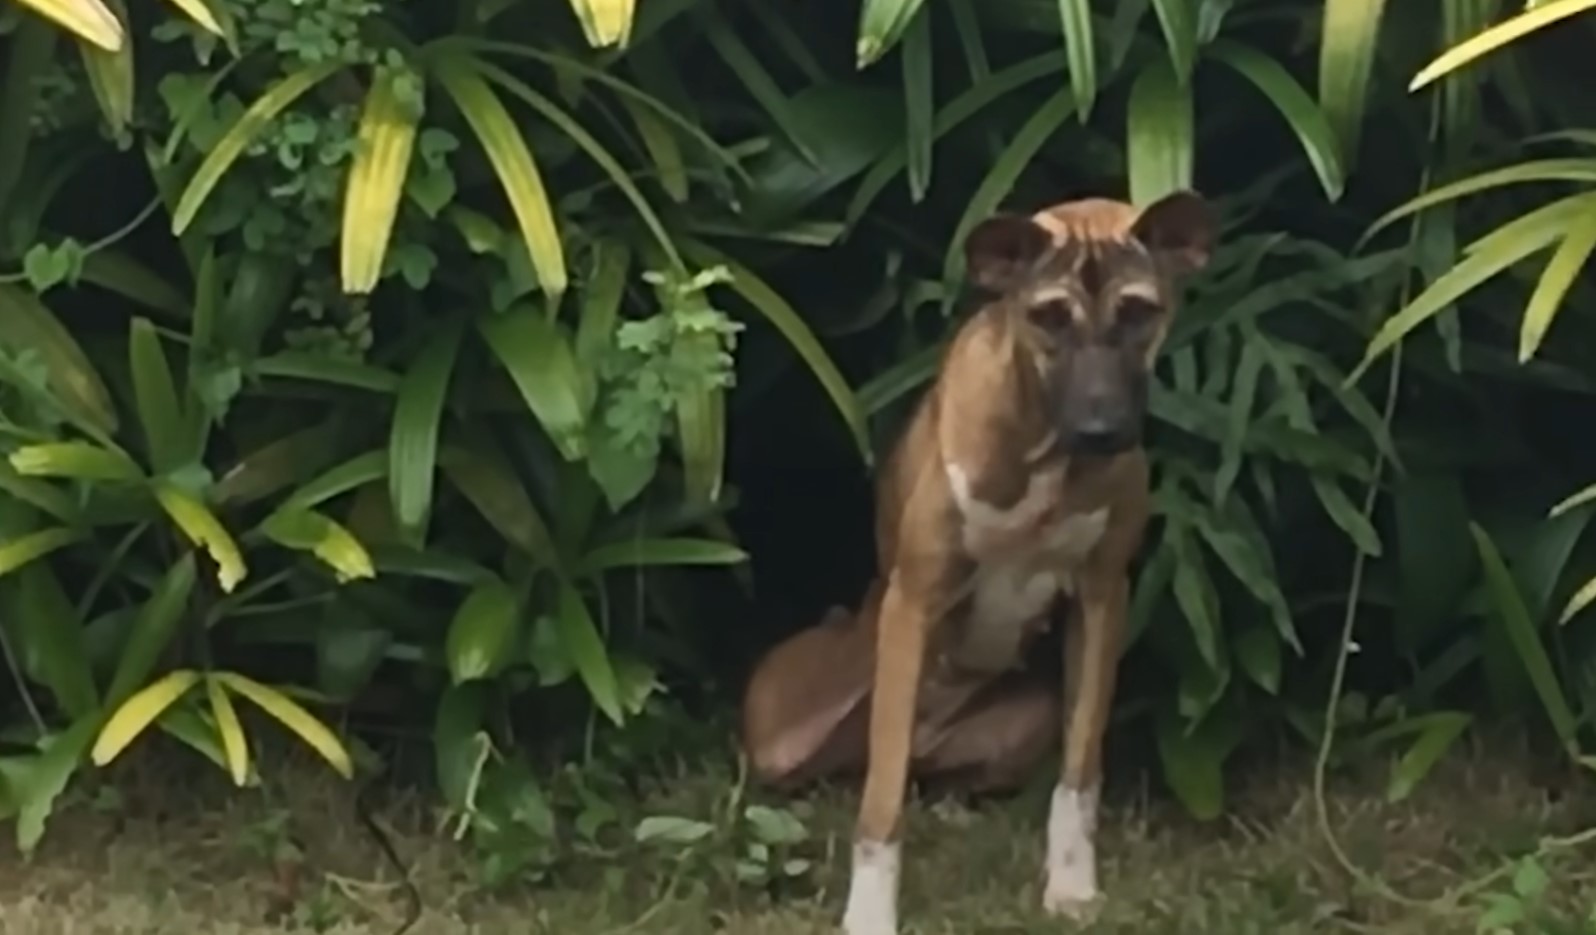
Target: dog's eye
x,y
1054,317
1135,315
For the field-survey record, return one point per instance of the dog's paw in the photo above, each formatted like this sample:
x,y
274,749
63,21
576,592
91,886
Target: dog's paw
x,y
1077,907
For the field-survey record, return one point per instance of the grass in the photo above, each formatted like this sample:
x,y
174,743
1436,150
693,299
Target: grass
x,y
173,849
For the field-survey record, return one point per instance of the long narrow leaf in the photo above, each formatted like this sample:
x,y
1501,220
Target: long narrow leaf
x,y
1350,32
27,325
384,144
919,102
539,359
512,162
1080,48
1561,270
1502,34
243,132
155,397
1295,104
1160,134
413,439
89,20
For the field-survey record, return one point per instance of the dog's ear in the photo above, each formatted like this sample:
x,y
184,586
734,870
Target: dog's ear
x,y
1000,249
1180,228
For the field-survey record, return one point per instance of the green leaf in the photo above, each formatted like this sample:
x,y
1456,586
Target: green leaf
x,y
1581,169
535,351
1239,413
52,644
601,303
1254,570
1513,617
111,76
1040,127
670,168
1350,36
919,103
1160,134
1484,258
47,777
1535,16
484,477
460,746
1347,515
74,461
350,475
18,552
970,103
512,162
753,77
27,325
1193,761
250,124
298,365
38,494
310,531
482,631
1178,21
769,303
1441,731
636,553
881,24
1561,270
1194,593
1296,105
568,126
155,395
1258,652
1080,48
152,630
201,527
413,441
587,651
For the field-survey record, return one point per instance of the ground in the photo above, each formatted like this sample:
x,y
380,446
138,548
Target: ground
x,y
174,850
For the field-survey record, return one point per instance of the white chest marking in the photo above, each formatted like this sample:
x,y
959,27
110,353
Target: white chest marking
x,y
1015,590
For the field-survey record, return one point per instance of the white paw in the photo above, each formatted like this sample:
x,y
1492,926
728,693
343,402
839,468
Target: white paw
x,y
1071,888
873,890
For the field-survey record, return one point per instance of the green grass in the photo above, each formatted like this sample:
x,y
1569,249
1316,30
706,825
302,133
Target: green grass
x,y
175,850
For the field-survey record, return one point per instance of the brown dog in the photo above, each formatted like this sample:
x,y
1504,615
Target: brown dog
x,y
1020,479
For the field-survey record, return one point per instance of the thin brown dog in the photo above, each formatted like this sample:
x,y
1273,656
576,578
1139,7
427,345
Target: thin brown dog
x,y
1020,479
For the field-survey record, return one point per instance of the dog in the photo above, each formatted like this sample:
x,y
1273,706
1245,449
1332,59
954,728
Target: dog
x,y
1019,488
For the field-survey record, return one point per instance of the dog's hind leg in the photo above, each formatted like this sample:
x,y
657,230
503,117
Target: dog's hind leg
x,y
805,710
995,743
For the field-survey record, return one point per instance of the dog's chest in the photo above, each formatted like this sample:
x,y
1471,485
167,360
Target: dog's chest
x,y
1024,557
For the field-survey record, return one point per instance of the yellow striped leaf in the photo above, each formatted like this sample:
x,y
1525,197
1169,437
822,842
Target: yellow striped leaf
x,y
202,15
111,75
386,140
323,537
288,713
89,20
18,552
1561,271
881,24
138,711
512,162
606,22
1502,34
74,460
231,731
203,529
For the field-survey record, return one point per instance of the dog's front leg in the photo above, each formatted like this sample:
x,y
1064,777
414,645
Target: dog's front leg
x,y
1092,648
900,655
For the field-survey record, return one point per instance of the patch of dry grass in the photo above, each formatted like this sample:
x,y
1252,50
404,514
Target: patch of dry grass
x,y
175,850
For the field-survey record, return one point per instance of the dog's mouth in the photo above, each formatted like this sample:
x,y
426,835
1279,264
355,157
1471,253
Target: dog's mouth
x,y
1100,443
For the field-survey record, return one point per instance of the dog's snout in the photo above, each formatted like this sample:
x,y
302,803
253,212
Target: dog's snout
x,y
1100,414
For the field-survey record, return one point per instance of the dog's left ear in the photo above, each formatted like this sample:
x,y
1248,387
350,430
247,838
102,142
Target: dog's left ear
x,y
1180,228
1000,250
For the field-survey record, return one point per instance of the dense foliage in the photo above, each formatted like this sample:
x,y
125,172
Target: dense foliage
x,y
514,373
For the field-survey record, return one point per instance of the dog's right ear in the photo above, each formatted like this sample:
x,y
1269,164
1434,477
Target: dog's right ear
x,y
1002,249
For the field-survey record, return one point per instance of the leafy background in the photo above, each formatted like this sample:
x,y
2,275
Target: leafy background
x,y
501,377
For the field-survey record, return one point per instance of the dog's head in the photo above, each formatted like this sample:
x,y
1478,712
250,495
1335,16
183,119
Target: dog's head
x,y
1089,287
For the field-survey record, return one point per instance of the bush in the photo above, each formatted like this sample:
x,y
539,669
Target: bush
x,y
432,354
